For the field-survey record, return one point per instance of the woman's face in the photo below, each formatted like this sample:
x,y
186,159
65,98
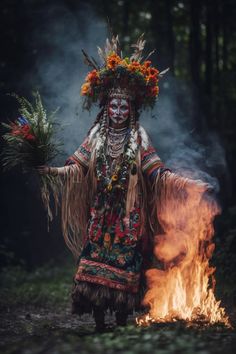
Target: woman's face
x,y
118,110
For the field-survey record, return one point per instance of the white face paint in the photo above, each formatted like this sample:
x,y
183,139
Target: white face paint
x,y
118,110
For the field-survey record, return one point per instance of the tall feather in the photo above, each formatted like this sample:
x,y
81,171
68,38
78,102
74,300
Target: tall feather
x,y
90,61
163,72
139,46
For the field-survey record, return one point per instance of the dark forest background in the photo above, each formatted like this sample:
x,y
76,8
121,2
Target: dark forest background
x,y
196,39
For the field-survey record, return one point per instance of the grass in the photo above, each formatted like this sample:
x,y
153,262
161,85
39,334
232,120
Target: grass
x,y
128,340
38,320
45,286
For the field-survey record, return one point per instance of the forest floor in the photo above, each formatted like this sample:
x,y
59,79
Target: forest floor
x,y
36,318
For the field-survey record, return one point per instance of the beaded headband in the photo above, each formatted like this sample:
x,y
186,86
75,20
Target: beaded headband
x,y
119,92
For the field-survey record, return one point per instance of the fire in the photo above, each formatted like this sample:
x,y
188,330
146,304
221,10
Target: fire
x,y
183,289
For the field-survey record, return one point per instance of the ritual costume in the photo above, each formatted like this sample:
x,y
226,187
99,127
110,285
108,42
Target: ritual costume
x,y
114,186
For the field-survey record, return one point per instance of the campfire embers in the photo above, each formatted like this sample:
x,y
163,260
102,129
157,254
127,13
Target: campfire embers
x,y
197,321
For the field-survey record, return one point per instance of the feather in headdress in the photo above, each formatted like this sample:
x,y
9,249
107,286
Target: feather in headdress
x,y
139,46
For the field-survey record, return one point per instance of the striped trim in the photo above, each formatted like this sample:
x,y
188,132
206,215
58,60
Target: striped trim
x,y
150,161
104,274
81,155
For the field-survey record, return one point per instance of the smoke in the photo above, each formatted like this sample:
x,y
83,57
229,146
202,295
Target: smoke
x,y
173,133
60,71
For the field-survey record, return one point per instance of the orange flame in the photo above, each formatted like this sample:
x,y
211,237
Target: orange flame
x,y
184,288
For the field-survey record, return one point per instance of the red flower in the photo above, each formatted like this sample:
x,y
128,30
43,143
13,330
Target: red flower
x,y
155,91
25,129
147,63
152,79
30,137
92,76
16,132
153,71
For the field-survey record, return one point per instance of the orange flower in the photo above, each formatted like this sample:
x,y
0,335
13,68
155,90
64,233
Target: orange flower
x,y
114,177
147,70
152,79
144,73
134,66
113,60
85,89
92,76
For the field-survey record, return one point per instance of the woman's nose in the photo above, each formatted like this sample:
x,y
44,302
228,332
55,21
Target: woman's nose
x,y
118,110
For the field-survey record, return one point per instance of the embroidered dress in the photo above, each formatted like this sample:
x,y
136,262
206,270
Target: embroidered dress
x,y
111,260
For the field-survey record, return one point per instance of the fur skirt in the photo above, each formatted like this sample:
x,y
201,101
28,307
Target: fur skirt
x,y
87,296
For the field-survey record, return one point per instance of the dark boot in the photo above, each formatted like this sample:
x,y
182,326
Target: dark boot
x,y
99,317
121,318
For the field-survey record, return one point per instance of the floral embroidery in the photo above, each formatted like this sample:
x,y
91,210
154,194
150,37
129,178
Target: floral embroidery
x,y
112,254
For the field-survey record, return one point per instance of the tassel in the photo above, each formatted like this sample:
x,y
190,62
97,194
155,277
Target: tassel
x,y
132,191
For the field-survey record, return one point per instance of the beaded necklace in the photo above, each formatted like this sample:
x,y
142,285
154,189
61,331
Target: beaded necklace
x,y
116,141
116,154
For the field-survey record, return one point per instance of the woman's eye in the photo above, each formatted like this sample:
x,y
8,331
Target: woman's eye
x,y
114,106
124,108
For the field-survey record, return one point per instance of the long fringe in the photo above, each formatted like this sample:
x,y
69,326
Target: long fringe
x,y
131,193
142,195
74,208
169,194
50,184
91,180
73,191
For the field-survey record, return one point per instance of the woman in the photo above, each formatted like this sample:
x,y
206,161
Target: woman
x,y
111,187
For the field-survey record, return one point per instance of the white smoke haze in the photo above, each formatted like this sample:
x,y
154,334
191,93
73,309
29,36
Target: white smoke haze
x,y
173,132
60,72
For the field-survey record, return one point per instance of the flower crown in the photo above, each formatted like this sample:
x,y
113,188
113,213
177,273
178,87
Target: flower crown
x,y
137,77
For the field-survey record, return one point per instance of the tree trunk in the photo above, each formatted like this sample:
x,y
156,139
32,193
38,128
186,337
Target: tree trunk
x,y
125,15
216,39
208,58
225,35
195,42
195,60
170,35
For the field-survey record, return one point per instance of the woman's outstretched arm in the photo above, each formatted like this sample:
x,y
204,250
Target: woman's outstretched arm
x,y
80,157
53,171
